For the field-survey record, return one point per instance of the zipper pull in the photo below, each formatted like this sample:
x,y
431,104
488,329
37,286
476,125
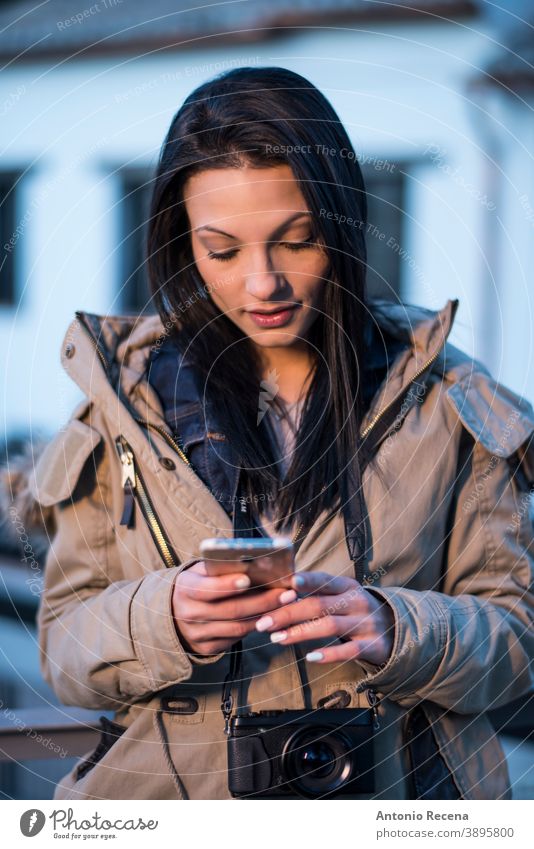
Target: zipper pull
x,y
128,513
127,483
373,700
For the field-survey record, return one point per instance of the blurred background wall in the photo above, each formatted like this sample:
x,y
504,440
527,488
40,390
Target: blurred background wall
x,y
436,96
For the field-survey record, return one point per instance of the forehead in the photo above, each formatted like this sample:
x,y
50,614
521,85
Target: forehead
x,y
237,193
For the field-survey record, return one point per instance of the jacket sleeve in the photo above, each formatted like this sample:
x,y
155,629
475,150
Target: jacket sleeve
x,y
104,641
469,646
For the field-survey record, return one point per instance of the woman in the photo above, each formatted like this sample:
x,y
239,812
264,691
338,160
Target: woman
x,y
271,395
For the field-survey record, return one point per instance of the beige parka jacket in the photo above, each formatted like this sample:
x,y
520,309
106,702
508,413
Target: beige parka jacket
x,y
452,553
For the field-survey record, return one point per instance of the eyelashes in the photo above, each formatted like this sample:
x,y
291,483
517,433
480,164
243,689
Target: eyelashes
x,y
222,257
299,246
291,246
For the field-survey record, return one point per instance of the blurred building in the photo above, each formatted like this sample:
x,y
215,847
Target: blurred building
x,y
436,96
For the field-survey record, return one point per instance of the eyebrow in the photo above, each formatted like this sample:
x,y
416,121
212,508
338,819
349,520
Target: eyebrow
x,y
281,227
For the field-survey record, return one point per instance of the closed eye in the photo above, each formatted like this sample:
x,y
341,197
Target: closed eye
x,y
222,256
299,246
292,246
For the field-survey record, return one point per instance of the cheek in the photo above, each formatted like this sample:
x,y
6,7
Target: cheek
x,y
218,278
222,288
308,273
313,291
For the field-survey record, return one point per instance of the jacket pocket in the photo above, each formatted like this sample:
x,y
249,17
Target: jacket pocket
x,y
109,734
58,468
472,752
430,778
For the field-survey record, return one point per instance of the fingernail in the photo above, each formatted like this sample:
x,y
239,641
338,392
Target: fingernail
x,y
300,580
278,636
314,655
287,596
242,582
264,623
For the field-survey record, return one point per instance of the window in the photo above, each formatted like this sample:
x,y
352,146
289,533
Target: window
x,y
385,202
134,296
8,238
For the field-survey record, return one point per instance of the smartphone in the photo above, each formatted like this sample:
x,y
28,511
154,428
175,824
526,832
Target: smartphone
x,y
268,561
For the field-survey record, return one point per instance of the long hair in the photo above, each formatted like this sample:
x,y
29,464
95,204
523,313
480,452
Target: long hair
x,y
235,119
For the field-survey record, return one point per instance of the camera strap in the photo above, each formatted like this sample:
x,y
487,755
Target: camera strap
x,y
227,702
354,509
354,513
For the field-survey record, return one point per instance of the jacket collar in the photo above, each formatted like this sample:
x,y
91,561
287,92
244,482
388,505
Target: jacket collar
x,y
424,333
113,354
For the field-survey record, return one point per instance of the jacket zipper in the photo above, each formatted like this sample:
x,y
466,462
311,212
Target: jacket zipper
x,y
134,488
366,431
164,433
168,438
132,481
300,527
81,318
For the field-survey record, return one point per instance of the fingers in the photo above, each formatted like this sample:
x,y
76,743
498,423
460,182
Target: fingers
x,y
322,582
351,650
312,629
339,627
367,648
319,617
201,632
312,607
253,605
300,611
242,607
196,584
215,646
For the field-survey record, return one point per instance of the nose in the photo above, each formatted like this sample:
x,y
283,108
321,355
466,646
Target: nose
x,y
262,281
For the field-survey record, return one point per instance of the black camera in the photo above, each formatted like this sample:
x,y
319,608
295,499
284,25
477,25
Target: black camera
x,y
311,754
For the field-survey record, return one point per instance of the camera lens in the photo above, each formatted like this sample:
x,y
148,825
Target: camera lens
x,y
316,761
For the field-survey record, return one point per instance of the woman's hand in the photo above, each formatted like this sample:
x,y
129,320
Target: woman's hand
x,y
334,607
211,614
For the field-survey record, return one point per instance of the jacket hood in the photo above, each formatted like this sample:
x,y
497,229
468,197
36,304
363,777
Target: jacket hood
x,y
125,344
122,337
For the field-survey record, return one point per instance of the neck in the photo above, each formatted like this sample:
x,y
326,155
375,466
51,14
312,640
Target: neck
x,y
288,370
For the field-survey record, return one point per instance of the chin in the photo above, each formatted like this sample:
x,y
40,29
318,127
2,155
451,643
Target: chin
x,y
274,341
275,338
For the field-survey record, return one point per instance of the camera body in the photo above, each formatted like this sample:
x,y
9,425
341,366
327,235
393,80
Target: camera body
x,y
308,753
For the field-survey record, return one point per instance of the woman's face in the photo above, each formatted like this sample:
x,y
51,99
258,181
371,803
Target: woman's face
x,y
250,232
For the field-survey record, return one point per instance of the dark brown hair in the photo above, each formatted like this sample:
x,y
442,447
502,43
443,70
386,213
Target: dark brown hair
x,y
238,118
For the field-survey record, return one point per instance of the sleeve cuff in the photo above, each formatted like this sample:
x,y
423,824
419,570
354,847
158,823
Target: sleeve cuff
x,y
418,643
202,659
154,635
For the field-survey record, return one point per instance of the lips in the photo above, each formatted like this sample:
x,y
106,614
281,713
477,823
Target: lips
x,y
273,318
273,311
